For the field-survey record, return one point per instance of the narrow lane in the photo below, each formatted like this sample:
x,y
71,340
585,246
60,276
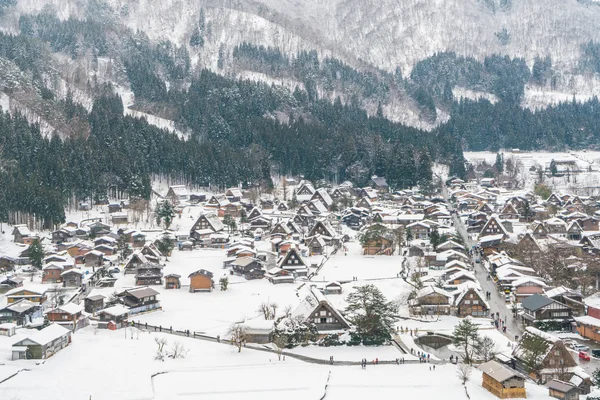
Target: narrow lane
x,y
497,300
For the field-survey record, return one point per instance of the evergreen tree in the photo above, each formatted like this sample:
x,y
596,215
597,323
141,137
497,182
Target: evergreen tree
x,y
553,168
165,245
499,164
372,315
164,213
466,337
36,254
435,238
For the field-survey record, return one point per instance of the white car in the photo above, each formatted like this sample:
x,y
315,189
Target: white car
x,y
579,347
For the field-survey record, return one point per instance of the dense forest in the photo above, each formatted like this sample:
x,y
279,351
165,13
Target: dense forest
x,y
244,132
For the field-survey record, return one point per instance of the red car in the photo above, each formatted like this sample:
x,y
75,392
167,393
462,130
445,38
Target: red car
x,y
584,356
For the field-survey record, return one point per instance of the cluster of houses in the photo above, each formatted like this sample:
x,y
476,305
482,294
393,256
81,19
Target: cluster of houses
x,y
511,223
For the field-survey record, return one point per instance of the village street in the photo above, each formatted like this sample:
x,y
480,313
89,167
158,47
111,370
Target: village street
x,y
497,301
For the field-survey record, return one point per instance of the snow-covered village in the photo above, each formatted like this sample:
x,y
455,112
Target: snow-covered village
x,y
480,288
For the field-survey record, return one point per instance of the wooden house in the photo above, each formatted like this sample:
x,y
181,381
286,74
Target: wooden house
x,y
51,273
248,267
553,361
69,316
134,261
93,303
42,344
33,295
8,329
539,307
562,390
98,228
281,230
234,195
139,299
527,286
177,193
431,300
201,281
10,282
21,312
20,233
206,225
324,229
317,310
493,227
148,274
217,201
7,263
277,275
502,381
332,288
172,281
113,317
471,302
420,230
72,277
304,191
294,262
509,212
94,258
322,196
574,231
260,222
114,208
316,245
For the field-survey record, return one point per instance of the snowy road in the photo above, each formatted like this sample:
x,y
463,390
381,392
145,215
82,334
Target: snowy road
x,y
497,301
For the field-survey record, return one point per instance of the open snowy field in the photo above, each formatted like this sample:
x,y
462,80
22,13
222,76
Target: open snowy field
x,y
112,366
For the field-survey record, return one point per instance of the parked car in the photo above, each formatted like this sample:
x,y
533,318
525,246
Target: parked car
x,y
115,270
507,298
596,353
584,356
580,347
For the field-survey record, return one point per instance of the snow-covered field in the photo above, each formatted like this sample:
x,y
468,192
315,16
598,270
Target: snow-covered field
x,y
107,365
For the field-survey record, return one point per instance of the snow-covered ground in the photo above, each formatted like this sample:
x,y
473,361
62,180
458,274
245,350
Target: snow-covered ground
x,y
112,365
584,180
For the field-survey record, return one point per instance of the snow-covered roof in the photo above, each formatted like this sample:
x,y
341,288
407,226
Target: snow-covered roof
x,y
528,279
587,320
47,335
499,372
69,308
115,311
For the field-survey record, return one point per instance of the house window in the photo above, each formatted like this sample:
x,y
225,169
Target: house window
x,y
467,301
323,320
64,316
323,313
475,301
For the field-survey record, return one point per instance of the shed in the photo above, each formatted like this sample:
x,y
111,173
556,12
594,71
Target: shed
x,y
42,344
563,390
7,329
172,281
502,381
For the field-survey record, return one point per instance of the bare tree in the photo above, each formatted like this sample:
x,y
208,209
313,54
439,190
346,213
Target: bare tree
x,y
464,372
161,342
486,349
268,310
279,343
238,335
287,311
178,350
